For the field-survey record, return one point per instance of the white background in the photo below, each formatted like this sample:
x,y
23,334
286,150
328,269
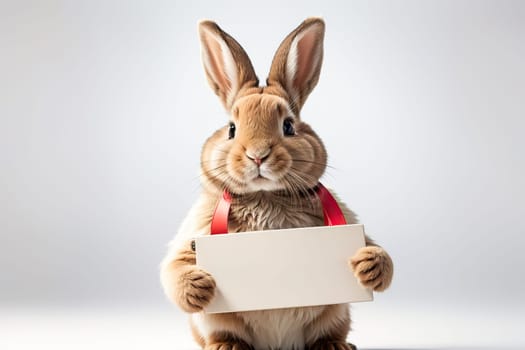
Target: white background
x,y
104,108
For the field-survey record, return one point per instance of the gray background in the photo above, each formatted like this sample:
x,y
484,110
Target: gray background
x,y
104,107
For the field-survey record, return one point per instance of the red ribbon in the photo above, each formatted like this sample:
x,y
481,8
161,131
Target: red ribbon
x,y
333,215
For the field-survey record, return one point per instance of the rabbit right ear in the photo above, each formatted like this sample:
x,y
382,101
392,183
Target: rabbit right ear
x,y
297,63
227,65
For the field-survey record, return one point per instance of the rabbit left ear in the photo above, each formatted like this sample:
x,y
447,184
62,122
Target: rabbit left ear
x,y
296,65
227,65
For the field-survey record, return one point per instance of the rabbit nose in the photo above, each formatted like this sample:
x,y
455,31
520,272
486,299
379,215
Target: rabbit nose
x,y
258,157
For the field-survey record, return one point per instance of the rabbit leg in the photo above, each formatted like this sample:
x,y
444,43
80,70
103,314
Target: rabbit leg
x,y
329,330
325,344
185,284
224,331
226,341
197,335
373,267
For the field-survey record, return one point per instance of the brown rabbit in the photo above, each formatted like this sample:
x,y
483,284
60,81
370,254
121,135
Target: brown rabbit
x,y
269,160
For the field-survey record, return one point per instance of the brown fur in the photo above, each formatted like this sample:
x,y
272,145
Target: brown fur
x,y
187,285
279,72
226,341
196,335
270,176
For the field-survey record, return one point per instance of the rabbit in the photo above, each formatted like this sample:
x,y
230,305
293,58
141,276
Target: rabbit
x,y
269,160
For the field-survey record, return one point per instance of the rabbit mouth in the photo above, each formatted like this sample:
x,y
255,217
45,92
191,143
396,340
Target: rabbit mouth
x,y
262,183
260,178
263,180
261,173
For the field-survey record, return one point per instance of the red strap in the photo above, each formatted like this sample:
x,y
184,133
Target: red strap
x,y
333,214
219,221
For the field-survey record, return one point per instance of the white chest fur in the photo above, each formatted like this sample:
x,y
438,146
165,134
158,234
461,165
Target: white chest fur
x,y
280,328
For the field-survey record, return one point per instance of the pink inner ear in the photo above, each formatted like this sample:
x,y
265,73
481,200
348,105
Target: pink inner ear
x,y
217,63
306,58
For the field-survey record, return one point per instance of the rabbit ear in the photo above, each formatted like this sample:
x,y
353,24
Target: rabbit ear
x,y
297,63
227,65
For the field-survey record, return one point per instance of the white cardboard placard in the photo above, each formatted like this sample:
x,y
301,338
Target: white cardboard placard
x,y
282,268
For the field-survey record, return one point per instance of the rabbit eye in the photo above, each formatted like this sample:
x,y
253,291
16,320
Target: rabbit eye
x,y
288,128
231,131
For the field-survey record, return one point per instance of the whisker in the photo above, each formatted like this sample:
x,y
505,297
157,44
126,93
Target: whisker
x,y
215,175
312,162
208,171
304,175
220,166
300,187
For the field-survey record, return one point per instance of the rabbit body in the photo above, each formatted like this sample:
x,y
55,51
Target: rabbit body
x,y
269,160
290,328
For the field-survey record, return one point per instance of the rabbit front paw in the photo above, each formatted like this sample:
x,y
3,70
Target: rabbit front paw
x,y
331,345
373,268
196,289
240,345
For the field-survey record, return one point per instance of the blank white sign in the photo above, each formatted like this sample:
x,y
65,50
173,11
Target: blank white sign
x,y
282,268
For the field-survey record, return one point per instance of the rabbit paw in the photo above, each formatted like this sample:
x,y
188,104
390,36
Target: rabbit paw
x,y
196,289
229,346
226,341
373,268
331,345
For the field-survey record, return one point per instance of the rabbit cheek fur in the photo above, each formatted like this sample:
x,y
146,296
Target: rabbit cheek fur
x,y
269,160
296,162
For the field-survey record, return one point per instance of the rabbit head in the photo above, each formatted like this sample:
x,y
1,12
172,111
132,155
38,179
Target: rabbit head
x,y
265,146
